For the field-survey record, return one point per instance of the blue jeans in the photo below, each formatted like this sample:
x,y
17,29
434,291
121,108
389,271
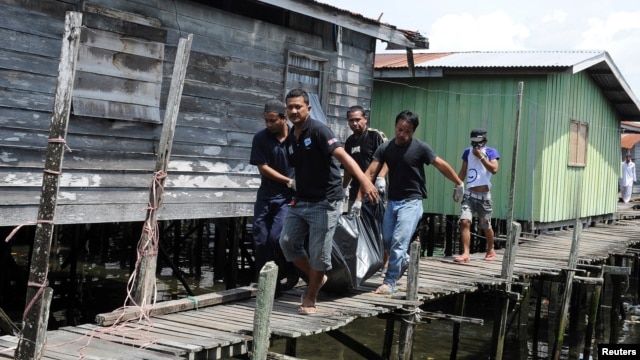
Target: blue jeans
x,y
318,221
398,225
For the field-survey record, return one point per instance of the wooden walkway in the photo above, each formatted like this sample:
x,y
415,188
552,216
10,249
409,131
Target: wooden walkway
x,y
224,330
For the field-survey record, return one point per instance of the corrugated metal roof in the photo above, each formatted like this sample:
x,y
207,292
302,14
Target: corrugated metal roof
x,y
597,63
482,59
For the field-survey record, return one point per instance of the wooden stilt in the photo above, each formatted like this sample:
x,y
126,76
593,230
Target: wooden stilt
x,y
594,304
523,320
460,302
262,315
536,320
616,292
577,314
388,338
411,319
552,318
197,248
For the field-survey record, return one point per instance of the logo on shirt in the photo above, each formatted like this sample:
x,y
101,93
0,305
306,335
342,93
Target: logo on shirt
x,y
355,149
307,142
332,141
472,175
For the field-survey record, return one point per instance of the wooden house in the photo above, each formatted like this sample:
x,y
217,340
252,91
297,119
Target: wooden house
x,y
568,150
243,53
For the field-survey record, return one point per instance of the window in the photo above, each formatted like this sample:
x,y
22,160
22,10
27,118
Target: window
x,y
309,73
578,143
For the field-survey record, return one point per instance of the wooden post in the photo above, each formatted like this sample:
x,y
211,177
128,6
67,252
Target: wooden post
x,y
523,321
507,272
594,304
460,302
572,263
262,315
409,321
144,284
34,326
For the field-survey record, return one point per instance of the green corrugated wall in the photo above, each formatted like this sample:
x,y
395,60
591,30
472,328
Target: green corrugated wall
x,y
546,187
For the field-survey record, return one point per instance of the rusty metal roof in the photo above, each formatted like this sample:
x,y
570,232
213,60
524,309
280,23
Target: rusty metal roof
x,y
597,63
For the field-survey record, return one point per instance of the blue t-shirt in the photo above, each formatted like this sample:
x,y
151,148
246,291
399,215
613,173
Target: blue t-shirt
x,y
406,168
267,149
317,171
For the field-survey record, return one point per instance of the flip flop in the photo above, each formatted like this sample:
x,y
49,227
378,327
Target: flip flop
x,y
385,289
490,256
462,259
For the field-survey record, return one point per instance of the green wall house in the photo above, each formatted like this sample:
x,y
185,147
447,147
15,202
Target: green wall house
x,y
568,148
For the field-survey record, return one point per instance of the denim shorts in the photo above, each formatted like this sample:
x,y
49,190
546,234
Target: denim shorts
x,y
484,209
318,221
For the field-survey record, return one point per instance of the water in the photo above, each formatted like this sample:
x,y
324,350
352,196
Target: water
x,y
101,284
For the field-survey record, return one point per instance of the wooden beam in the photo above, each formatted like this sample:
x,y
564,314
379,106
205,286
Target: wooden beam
x,y
34,327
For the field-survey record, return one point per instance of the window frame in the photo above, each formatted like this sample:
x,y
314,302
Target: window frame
x,y
578,143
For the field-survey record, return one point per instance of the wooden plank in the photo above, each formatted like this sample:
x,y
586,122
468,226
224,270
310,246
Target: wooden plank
x,y
172,306
34,326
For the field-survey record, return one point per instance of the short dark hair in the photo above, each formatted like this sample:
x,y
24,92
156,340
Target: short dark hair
x,y
409,117
298,93
356,108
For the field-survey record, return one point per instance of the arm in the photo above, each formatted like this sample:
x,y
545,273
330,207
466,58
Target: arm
x,y
271,174
446,170
350,165
462,174
346,179
491,165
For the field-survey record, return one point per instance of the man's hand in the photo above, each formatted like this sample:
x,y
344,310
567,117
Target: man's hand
x,y
292,184
458,192
356,208
381,185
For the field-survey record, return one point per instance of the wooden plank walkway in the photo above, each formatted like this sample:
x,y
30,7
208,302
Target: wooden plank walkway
x,y
224,330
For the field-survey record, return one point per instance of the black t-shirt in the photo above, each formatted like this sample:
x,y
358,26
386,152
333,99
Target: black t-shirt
x,y
317,171
406,168
361,150
267,149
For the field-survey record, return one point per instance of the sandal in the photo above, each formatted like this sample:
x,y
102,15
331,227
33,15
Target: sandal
x,y
490,256
462,259
385,289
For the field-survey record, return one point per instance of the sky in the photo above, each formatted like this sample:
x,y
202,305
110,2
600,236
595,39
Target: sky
x,y
501,25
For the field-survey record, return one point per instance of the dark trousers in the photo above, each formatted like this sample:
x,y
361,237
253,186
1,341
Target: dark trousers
x,y
268,217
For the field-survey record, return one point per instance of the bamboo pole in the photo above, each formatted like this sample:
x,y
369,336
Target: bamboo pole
x,y
30,345
264,306
144,281
513,233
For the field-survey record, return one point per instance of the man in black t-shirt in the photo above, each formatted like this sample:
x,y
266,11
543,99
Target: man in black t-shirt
x,y
361,145
313,150
406,158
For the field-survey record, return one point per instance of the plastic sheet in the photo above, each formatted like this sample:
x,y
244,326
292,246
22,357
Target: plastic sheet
x,y
357,251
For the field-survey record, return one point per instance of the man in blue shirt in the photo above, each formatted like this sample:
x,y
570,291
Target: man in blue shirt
x,y
479,162
269,154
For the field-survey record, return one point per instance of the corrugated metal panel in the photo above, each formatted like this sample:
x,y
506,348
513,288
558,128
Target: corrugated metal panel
x,y
512,59
545,187
596,63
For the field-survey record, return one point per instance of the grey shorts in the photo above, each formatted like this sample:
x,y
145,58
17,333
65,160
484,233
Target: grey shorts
x,y
318,220
479,204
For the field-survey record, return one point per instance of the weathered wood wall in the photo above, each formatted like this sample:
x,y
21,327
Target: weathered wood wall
x,y
236,64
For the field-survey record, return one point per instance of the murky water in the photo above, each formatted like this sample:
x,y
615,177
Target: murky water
x,y
101,288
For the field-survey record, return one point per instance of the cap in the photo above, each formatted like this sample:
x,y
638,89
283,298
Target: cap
x,y
275,105
478,135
